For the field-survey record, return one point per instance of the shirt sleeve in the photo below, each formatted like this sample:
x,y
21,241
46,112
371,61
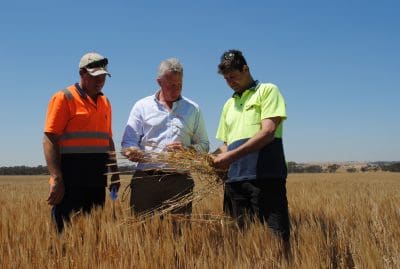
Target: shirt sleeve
x,y
222,129
134,129
58,114
200,138
109,115
272,102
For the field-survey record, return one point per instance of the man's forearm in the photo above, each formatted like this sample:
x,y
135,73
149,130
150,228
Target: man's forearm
x,y
52,156
113,157
265,136
255,143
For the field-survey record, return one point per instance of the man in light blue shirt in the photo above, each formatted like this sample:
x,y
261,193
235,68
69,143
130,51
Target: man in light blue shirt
x,y
165,121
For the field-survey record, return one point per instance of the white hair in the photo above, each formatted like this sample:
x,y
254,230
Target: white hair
x,y
171,64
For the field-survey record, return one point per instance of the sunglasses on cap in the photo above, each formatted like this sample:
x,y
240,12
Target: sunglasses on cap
x,y
97,64
230,55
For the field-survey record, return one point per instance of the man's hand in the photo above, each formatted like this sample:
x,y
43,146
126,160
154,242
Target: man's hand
x,y
56,192
175,146
223,160
115,182
133,154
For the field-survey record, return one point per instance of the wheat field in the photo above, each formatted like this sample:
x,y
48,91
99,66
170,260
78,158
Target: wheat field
x,y
338,220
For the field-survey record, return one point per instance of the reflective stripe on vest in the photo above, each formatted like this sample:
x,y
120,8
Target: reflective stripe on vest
x,y
67,94
77,135
84,149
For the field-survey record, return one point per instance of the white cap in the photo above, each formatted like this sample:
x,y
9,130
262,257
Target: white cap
x,y
94,63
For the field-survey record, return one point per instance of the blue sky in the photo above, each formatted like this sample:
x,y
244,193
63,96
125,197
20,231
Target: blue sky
x,y
336,63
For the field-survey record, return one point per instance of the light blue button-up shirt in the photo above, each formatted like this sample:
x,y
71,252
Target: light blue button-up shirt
x,y
151,126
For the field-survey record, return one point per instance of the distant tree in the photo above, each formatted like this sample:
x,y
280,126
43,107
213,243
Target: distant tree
x,y
300,168
393,167
23,170
351,170
295,167
313,169
364,169
291,167
369,168
333,168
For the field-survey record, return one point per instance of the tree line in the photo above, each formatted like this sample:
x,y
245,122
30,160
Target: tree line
x,y
293,167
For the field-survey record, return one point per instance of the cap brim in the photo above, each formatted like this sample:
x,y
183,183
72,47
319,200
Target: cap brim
x,y
98,71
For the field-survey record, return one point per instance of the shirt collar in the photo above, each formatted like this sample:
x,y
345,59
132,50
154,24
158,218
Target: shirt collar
x,y
252,87
82,93
158,93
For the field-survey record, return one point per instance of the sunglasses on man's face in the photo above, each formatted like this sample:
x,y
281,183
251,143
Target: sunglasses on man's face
x,y
102,63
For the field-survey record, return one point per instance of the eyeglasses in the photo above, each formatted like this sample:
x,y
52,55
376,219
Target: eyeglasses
x,y
97,64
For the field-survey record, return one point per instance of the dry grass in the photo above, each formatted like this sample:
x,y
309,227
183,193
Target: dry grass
x,y
208,180
338,221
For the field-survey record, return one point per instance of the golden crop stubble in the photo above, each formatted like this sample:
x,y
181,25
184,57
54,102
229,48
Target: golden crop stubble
x,y
338,220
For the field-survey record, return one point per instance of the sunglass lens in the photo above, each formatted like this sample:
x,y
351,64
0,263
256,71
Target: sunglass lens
x,y
97,64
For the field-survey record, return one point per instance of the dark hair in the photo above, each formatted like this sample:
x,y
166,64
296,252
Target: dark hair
x,y
231,60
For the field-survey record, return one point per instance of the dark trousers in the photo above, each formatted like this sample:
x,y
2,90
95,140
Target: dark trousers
x,y
263,199
151,190
77,199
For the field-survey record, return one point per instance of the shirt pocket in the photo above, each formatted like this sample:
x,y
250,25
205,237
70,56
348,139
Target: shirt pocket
x,y
81,120
252,114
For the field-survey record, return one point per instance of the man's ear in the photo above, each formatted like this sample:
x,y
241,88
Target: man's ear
x,y
82,71
245,68
158,81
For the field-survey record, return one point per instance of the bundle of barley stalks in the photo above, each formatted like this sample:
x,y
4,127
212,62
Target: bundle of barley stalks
x,y
207,178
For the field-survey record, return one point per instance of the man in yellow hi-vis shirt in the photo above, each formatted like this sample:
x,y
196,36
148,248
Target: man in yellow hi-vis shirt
x,y
251,129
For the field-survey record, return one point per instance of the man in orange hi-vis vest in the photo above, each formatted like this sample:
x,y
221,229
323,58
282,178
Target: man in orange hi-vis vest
x,y
78,141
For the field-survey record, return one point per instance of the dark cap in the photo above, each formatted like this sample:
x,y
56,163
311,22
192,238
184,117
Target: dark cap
x,y
231,60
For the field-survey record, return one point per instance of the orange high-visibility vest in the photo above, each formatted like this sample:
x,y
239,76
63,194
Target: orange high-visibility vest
x,y
84,125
